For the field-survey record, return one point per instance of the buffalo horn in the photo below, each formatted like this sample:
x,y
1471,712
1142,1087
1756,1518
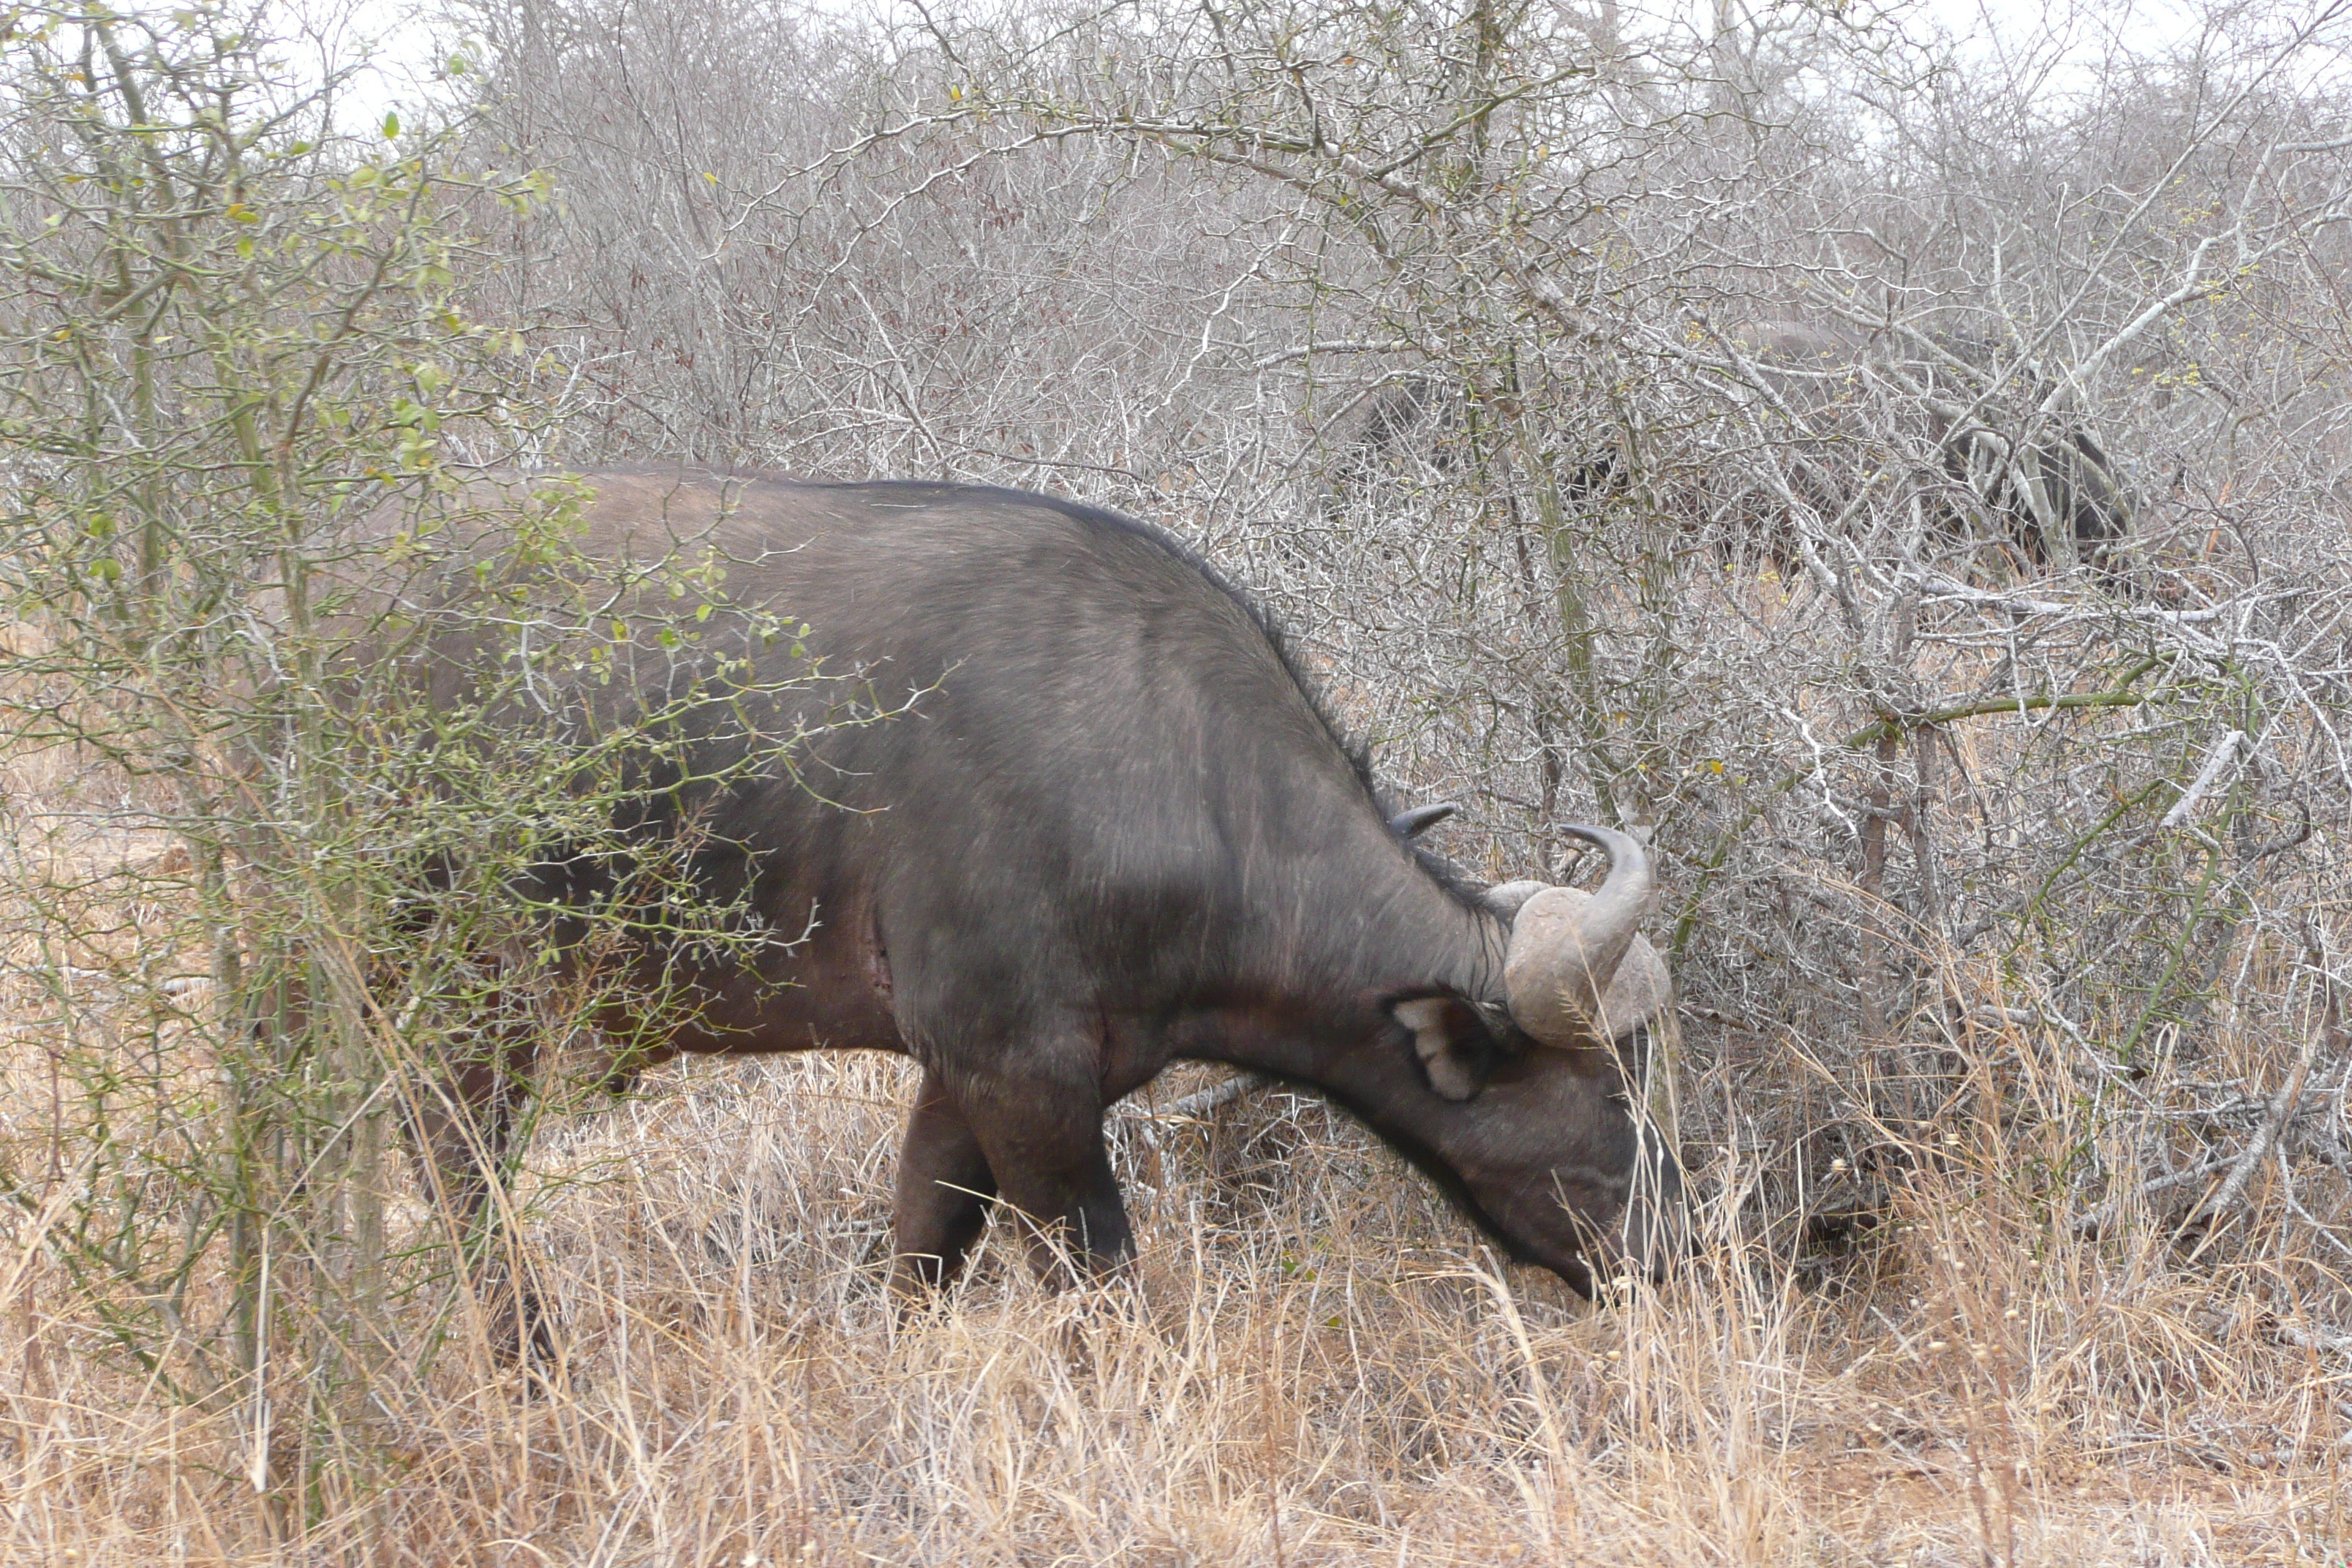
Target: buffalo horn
x,y
1421,818
1567,947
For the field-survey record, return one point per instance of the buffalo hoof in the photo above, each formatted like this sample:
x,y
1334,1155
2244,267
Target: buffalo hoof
x,y
519,1327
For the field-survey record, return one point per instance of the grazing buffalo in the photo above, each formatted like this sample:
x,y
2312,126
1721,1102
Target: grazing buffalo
x,y
1104,825
2039,473
2004,466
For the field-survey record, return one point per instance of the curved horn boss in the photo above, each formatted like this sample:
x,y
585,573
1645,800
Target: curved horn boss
x,y
1579,972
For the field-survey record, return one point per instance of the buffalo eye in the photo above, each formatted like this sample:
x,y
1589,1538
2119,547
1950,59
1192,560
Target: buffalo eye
x,y
1456,1050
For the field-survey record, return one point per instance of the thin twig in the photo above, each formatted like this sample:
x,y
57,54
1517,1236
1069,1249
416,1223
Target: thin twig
x,y
2225,751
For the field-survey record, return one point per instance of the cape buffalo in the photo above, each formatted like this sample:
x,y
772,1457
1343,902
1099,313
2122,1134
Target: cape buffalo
x,y
1110,827
2043,475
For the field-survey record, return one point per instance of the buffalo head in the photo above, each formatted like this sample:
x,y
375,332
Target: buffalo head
x,y
1547,1138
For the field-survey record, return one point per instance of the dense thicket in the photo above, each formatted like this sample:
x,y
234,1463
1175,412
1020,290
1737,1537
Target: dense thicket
x,y
1907,482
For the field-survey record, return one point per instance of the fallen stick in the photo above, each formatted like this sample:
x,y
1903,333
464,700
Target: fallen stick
x,y
2233,1186
2092,1224
1201,1101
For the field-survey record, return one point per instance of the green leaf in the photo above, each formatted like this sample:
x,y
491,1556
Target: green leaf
x,y
390,125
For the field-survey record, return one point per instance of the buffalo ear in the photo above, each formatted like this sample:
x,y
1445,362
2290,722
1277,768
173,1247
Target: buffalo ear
x,y
1455,1046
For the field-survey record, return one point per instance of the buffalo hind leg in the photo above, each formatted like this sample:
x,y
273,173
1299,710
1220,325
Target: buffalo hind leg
x,y
462,1124
944,1185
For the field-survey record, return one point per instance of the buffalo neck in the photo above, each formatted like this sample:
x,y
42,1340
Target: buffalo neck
x,y
1318,973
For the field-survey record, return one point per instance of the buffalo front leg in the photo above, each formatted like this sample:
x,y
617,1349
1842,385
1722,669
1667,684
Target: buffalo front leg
x,y
1044,1141
944,1185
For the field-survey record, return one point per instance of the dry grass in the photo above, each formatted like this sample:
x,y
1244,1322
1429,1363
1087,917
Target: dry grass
x,y
1319,1366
